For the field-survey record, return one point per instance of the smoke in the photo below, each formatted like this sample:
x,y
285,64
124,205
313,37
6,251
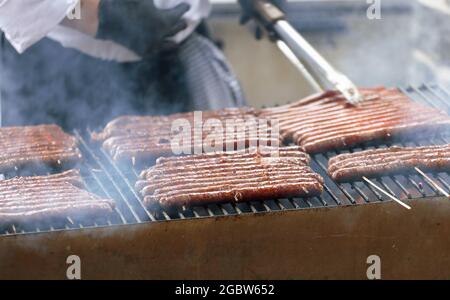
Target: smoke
x,y
51,84
371,51
430,43
408,45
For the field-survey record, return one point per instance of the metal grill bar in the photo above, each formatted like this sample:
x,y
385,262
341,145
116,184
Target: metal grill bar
x,y
124,202
148,215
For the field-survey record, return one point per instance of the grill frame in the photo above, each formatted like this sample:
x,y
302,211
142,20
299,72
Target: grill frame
x,y
108,179
316,243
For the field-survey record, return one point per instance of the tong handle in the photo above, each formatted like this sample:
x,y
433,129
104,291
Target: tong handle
x,y
322,70
275,21
270,16
268,12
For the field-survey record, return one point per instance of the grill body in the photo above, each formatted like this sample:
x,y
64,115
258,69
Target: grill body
x,y
329,236
317,243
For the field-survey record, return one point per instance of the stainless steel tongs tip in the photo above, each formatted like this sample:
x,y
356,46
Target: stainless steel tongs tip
x,y
348,90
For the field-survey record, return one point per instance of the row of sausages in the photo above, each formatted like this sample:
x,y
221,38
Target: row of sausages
x,y
235,177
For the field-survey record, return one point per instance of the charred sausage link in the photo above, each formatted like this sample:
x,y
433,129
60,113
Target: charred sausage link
x,y
31,199
325,122
252,193
21,147
392,160
144,139
229,177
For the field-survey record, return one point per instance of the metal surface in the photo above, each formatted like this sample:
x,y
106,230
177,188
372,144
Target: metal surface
x,y
318,243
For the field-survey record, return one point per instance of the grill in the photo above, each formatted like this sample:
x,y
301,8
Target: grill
x,y
105,178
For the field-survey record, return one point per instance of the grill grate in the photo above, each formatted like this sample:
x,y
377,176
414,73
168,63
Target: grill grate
x,y
407,186
105,178
97,181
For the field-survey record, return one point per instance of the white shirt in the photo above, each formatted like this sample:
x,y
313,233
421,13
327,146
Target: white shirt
x,y
25,22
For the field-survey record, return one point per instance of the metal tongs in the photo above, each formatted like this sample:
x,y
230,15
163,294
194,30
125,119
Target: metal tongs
x,y
316,69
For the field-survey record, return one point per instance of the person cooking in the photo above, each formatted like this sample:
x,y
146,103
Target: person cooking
x,y
121,57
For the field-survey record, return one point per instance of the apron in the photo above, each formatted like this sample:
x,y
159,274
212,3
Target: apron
x,y
52,84
209,78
